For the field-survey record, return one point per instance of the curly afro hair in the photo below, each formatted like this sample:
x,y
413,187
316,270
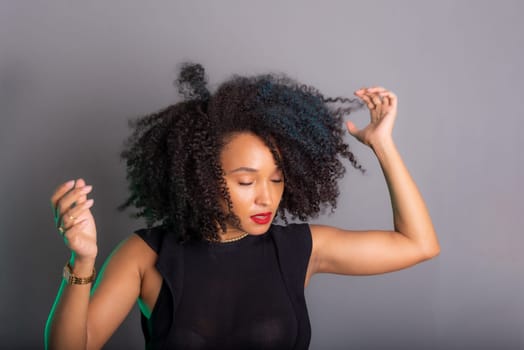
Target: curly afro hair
x,y
173,156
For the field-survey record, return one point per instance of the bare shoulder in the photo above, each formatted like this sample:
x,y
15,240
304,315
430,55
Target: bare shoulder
x,y
133,254
322,233
135,250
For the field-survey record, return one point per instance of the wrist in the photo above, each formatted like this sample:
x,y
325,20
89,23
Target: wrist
x,y
72,278
382,146
81,266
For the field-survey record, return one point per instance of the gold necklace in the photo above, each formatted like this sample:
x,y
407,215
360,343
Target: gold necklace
x,y
237,238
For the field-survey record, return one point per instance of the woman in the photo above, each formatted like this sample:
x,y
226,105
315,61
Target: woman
x,y
209,175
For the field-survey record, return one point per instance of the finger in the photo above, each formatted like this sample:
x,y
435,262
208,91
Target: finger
x,y
60,191
73,210
377,111
386,102
79,183
390,102
376,99
376,89
352,128
72,198
75,195
367,100
391,97
77,214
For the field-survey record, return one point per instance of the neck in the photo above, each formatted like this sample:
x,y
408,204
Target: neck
x,y
231,236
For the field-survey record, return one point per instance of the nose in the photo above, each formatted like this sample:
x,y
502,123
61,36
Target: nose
x,y
264,196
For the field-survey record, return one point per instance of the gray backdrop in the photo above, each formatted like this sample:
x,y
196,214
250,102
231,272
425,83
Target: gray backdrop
x,y
73,73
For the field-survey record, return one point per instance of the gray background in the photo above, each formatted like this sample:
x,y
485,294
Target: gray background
x,y
73,73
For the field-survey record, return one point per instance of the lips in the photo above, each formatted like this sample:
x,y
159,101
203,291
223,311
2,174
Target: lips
x,y
261,218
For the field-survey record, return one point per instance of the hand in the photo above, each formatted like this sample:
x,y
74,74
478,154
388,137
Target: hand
x,y
382,105
74,220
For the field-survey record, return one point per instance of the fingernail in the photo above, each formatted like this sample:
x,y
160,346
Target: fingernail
x,y
87,188
70,183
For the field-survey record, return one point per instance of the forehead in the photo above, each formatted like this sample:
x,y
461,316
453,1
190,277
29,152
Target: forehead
x,y
246,150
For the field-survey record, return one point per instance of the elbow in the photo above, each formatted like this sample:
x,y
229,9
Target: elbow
x,y
431,251
426,246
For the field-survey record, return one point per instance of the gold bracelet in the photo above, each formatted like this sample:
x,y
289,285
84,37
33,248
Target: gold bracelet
x,y
71,278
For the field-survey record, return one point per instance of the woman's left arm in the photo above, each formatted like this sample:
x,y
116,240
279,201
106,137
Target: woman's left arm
x,y
413,238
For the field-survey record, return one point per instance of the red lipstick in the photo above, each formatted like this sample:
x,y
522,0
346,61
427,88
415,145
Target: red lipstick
x,y
261,218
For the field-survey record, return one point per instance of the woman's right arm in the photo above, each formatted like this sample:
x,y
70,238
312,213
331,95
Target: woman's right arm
x,y
80,319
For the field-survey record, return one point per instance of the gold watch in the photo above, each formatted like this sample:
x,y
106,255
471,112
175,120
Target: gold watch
x,y
71,278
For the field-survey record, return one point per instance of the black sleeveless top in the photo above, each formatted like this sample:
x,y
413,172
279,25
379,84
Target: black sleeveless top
x,y
247,294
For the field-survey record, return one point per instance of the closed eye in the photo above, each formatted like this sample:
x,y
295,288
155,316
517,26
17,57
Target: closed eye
x,y
250,183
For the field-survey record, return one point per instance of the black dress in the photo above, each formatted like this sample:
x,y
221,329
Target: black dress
x,y
247,294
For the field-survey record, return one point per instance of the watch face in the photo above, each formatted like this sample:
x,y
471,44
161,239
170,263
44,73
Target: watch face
x,y
67,273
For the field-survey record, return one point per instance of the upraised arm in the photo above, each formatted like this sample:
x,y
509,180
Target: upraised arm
x,y
412,239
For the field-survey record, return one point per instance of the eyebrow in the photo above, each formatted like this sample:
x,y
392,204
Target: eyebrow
x,y
246,169
243,168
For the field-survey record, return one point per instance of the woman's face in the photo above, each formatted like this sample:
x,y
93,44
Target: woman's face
x,y
254,181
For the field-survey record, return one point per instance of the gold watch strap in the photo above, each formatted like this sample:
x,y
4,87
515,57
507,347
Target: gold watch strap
x,y
71,278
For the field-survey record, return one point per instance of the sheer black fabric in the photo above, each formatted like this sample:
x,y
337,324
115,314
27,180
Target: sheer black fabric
x,y
247,294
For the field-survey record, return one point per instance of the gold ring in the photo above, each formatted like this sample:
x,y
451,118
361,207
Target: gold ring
x,y
61,230
71,217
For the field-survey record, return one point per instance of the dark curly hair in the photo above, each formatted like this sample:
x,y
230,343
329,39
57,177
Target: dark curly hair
x,y
173,156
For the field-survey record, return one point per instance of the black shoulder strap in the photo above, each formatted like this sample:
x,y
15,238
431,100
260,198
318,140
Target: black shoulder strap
x,y
153,236
170,265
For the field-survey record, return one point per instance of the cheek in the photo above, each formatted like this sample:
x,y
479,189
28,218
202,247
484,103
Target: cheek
x,y
238,195
280,193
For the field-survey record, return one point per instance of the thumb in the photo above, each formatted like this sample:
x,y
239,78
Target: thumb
x,y
353,130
